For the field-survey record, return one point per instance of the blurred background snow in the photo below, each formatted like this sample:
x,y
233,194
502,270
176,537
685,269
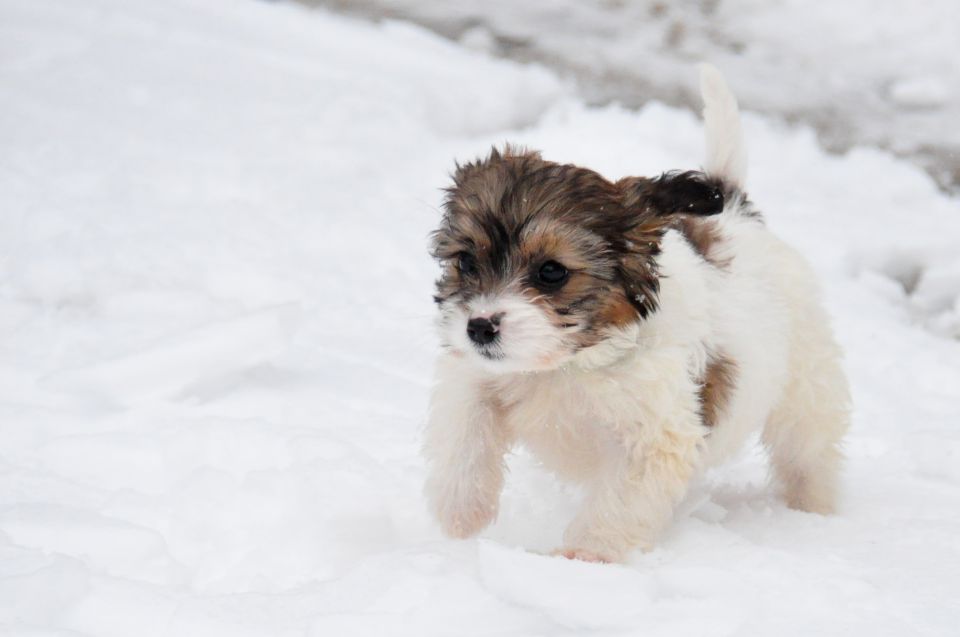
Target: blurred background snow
x,y
215,314
860,72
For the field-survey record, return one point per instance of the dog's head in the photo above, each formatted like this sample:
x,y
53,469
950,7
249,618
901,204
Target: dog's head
x,y
541,260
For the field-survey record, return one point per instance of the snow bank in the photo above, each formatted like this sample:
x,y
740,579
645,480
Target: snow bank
x,y
859,71
215,323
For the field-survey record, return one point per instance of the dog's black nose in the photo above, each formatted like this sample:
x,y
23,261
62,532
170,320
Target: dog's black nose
x,y
482,331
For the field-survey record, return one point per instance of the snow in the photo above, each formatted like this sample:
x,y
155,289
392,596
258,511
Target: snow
x,y
216,341
858,71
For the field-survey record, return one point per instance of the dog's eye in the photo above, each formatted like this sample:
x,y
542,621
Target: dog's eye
x,y
552,274
466,264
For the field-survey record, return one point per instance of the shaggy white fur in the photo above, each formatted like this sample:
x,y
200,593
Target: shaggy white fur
x,y
624,416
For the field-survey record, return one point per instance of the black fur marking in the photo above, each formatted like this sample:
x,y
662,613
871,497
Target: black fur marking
x,y
690,192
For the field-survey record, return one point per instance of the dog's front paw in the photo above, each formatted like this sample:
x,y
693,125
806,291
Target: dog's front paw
x,y
465,521
463,512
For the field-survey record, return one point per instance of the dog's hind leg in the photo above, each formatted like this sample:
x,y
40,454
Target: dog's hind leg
x,y
804,431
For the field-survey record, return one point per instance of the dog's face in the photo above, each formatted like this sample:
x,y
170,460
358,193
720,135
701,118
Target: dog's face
x,y
541,260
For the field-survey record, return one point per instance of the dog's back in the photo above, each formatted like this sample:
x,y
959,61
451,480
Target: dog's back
x,y
768,326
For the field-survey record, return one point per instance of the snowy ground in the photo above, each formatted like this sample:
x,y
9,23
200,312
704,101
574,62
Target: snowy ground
x,y
860,71
215,346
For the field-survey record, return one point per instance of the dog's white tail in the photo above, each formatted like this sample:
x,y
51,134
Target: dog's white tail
x,y
726,156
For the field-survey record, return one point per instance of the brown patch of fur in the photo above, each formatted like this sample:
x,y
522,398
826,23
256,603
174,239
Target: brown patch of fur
x,y
617,312
704,237
717,387
633,189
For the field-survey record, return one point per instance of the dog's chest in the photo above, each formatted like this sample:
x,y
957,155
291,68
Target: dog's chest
x,y
567,419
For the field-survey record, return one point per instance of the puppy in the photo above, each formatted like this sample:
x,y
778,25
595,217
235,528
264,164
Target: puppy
x,y
629,333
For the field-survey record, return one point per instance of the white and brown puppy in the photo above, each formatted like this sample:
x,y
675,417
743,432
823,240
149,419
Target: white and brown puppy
x,y
628,333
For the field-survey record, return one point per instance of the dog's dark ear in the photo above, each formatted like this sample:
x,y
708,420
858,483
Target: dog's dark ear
x,y
650,207
690,193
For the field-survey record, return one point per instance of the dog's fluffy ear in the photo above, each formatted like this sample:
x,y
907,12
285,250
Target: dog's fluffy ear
x,y
673,193
650,207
